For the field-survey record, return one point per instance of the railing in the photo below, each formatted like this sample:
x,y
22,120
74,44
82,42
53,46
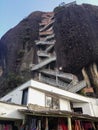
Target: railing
x,y
45,22
70,87
71,3
49,48
67,76
47,26
45,62
58,83
42,54
63,85
77,87
45,33
68,4
49,37
45,42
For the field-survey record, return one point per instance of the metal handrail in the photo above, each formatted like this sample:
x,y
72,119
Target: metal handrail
x,y
57,83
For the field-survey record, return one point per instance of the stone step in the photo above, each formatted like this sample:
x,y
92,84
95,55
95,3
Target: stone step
x,y
45,42
43,63
75,88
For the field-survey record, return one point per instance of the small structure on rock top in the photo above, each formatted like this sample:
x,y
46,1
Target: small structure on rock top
x,y
68,4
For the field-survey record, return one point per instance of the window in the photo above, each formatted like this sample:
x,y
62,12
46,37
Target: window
x,y
52,102
55,103
48,101
78,110
25,96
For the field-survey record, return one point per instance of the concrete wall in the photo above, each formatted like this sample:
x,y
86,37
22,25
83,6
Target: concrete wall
x,y
10,111
94,106
36,97
16,94
43,87
85,107
88,108
65,105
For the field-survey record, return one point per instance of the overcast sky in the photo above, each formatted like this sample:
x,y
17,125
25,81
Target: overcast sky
x,y
13,11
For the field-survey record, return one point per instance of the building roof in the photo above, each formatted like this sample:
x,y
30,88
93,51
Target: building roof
x,y
53,90
60,92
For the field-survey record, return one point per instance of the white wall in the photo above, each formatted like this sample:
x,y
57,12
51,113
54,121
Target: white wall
x,y
65,105
16,96
60,92
10,111
95,108
17,93
36,97
86,107
97,101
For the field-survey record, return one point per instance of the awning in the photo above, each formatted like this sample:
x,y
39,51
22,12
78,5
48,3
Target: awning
x,y
57,113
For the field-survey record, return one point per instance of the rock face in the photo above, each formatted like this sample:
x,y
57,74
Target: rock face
x,y
3,58
76,32
76,35
19,40
18,52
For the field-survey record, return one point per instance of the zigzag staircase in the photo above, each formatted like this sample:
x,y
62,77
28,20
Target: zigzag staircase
x,y
46,67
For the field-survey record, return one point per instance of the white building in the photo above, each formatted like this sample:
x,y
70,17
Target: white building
x,y
47,97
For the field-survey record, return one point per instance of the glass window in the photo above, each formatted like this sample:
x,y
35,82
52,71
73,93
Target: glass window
x,y
52,102
78,110
55,103
48,101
